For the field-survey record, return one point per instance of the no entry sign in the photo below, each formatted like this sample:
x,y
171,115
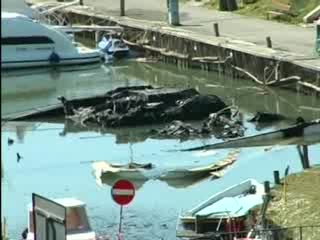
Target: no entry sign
x,y
123,192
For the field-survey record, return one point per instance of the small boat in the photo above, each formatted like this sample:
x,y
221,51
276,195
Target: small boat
x,y
215,169
224,212
113,48
77,222
181,177
133,171
26,42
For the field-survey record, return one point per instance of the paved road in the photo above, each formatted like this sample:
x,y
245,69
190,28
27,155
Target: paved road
x,y
200,19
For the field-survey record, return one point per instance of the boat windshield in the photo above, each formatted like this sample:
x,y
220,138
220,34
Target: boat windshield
x,y
77,220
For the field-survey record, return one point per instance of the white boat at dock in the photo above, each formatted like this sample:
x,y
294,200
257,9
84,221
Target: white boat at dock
x,y
224,212
113,48
77,222
26,42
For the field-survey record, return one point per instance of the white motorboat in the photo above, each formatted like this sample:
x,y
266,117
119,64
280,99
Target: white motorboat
x,y
77,222
113,48
26,42
224,212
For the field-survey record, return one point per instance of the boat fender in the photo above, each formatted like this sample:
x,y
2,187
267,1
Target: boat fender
x,y
54,58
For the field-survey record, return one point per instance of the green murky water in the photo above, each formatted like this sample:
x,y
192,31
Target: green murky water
x,y
56,158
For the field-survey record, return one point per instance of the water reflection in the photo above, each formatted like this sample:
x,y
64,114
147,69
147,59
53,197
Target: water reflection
x,y
243,93
41,87
110,179
28,89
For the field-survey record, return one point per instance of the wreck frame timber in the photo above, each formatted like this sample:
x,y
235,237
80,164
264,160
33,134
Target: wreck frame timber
x,y
266,66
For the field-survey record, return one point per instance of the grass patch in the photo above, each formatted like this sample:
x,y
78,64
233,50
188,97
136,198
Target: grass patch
x,y
260,8
301,207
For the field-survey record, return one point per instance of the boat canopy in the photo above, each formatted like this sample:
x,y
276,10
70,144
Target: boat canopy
x,y
229,207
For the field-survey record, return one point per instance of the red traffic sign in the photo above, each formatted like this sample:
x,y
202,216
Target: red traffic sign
x,y
123,192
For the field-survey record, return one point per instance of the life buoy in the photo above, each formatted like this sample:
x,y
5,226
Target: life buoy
x,y
54,58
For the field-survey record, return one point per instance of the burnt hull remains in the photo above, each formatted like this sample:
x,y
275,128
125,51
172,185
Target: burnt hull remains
x,y
132,106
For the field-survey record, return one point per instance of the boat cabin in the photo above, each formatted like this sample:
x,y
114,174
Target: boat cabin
x,y
77,222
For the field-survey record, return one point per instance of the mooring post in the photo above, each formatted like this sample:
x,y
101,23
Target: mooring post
x,y
197,225
306,156
266,199
300,233
122,8
276,176
269,42
81,2
216,29
266,185
173,12
96,36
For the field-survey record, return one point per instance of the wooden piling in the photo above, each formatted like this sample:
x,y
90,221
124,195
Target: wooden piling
x,y
81,2
197,224
97,36
276,176
266,185
122,8
306,156
216,29
269,42
4,229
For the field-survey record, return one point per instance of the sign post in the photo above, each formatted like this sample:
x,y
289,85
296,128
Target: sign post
x,y
122,193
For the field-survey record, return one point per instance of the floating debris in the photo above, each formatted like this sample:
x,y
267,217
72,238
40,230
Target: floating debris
x,y
19,157
10,141
302,133
218,124
262,117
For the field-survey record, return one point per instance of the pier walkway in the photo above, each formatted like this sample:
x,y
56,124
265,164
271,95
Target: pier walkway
x,y
286,37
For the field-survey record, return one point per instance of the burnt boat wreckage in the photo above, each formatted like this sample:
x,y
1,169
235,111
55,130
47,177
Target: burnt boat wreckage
x,y
146,105
143,105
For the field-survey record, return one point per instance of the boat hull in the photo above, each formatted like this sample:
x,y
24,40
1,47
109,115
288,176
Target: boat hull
x,y
46,63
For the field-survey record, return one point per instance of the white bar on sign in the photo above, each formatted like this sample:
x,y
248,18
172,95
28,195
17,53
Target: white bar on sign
x,y
122,192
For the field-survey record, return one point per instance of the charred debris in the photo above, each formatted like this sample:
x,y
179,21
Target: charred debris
x,y
146,105
143,105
